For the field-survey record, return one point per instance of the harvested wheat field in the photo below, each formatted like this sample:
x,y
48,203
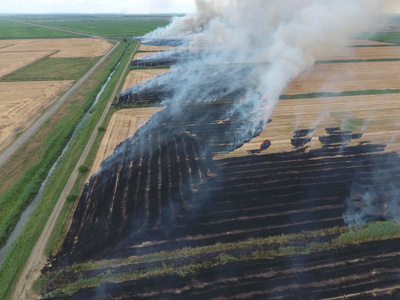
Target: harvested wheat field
x,y
22,102
143,54
12,61
376,116
338,77
366,53
139,76
74,47
123,124
151,48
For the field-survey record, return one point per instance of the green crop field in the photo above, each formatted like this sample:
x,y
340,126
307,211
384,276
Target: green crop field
x,y
102,25
52,68
10,29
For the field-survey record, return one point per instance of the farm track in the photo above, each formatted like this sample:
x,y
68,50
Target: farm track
x,y
36,261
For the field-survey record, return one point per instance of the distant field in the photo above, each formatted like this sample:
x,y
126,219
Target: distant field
x,y
103,25
14,30
74,47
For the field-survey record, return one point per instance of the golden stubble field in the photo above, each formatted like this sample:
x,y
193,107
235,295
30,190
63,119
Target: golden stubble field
x,y
136,77
73,47
337,77
123,124
22,102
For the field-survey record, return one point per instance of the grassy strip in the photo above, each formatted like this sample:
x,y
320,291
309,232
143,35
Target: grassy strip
x,y
53,68
188,252
12,266
62,225
377,231
373,232
340,94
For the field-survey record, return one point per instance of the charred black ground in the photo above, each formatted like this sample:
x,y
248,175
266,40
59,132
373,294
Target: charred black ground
x,y
162,190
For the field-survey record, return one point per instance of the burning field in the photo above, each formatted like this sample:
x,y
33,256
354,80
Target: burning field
x,y
234,191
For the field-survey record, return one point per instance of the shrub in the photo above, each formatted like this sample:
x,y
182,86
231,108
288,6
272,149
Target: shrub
x,y
72,197
83,169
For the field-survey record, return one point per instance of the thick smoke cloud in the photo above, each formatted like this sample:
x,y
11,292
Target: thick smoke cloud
x,y
280,38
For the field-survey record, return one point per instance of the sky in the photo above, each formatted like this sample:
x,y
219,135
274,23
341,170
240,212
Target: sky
x,y
96,6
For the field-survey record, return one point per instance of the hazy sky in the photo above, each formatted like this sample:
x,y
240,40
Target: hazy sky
x,y
97,6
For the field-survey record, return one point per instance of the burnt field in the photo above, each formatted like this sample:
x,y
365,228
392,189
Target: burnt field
x,y
164,219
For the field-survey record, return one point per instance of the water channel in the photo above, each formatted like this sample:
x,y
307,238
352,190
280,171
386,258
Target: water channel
x,y
25,215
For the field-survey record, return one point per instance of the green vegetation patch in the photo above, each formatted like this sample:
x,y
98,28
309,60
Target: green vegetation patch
x,y
53,68
13,30
104,25
169,264
386,37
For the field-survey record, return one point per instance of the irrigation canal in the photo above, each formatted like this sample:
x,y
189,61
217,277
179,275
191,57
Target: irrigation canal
x,y
30,208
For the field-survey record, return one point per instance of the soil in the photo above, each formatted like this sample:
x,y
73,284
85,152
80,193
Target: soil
x,y
22,102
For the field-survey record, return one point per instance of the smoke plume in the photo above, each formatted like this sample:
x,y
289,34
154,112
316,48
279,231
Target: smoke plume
x,y
278,39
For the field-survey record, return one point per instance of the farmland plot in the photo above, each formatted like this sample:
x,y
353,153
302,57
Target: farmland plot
x,y
12,61
74,47
338,77
151,48
139,76
22,102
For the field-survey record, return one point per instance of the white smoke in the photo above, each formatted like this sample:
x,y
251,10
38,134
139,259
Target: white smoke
x,y
289,35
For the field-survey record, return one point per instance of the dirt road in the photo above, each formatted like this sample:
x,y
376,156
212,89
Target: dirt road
x,y
37,258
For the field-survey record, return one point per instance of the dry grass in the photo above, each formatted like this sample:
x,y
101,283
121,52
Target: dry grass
x,y
74,47
366,53
151,48
123,124
22,102
12,61
143,54
139,76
